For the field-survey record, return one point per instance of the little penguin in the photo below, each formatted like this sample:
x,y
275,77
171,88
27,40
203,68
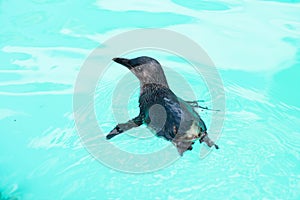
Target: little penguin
x,y
178,123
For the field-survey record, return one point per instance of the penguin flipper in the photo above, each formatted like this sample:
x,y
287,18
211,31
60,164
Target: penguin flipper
x,y
121,128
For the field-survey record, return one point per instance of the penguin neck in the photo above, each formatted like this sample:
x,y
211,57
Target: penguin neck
x,y
162,83
158,80
159,83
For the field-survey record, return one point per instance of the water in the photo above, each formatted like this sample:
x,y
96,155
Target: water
x,y
255,47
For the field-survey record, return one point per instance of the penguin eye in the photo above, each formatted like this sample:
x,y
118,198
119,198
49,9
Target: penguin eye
x,y
139,68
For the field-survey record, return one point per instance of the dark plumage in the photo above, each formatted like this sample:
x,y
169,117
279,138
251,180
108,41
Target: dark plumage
x,y
161,110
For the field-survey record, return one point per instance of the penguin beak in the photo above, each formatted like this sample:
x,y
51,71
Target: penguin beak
x,y
123,61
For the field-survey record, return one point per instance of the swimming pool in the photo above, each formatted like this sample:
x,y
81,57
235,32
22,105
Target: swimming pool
x,y
254,46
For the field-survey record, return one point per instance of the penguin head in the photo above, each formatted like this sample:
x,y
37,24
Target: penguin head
x,y
146,69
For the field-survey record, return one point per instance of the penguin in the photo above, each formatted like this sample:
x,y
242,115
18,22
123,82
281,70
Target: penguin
x,y
167,115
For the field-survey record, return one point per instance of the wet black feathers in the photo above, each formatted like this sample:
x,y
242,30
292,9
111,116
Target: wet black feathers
x,y
176,115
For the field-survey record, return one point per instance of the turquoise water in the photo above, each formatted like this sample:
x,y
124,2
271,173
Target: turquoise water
x,y
255,46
